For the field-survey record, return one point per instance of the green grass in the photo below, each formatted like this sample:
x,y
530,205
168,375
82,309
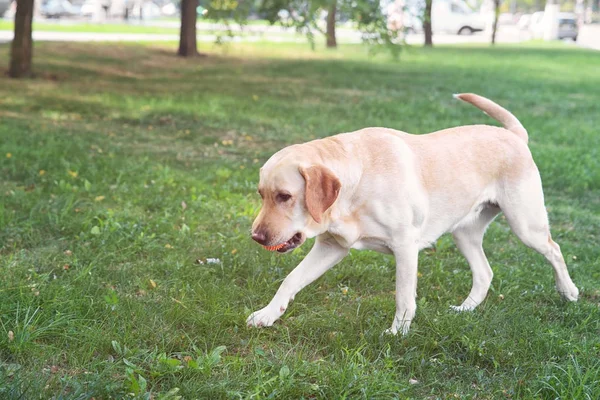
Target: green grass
x,y
84,27
122,165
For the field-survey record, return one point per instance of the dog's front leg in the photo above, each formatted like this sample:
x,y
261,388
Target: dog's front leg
x,y
325,254
406,287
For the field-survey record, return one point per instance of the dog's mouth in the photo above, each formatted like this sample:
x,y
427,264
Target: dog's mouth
x,y
288,245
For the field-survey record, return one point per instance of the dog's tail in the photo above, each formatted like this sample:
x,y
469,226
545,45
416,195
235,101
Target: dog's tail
x,y
500,114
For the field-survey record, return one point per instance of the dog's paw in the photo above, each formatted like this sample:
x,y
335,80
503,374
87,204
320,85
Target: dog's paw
x,y
264,317
568,291
462,308
469,304
399,326
390,331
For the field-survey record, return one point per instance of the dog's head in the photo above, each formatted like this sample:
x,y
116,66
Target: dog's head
x,y
295,198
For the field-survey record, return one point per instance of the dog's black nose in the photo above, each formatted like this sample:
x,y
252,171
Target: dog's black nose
x,y
260,237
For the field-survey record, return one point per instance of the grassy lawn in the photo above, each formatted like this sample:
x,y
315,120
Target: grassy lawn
x,y
82,27
85,27
127,184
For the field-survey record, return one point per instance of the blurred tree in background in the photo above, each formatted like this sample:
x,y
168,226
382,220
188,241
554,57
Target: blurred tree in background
x,y
427,23
495,23
313,17
187,30
22,44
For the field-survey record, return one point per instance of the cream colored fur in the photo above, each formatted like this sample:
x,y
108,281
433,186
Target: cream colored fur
x,y
397,193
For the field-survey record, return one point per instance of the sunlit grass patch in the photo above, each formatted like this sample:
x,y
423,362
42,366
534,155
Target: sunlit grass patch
x,y
128,187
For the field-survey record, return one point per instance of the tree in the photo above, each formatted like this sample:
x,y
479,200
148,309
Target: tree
x,y
427,24
495,24
187,33
22,44
304,16
330,33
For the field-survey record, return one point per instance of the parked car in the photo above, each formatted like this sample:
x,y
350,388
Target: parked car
x,y
524,21
506,19
449,16
567,26
4,5
454,16
169,10
88,8
57,9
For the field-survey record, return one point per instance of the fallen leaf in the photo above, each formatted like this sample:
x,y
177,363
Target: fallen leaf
x,y
66,267
54,369
152,284
187,359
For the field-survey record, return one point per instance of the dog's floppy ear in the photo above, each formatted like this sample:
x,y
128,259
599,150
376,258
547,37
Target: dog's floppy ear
x,y
321,190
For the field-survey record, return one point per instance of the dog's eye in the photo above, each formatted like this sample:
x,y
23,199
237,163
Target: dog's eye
x,y
283,197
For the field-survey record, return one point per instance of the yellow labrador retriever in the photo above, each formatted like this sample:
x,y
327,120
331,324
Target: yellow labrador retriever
x,y
396,193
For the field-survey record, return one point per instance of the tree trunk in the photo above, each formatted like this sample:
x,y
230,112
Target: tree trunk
x,y
331,40
187,37
495,25
427,24
22,44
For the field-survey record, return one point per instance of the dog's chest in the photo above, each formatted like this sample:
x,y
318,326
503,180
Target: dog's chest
x,y
372,244
350,235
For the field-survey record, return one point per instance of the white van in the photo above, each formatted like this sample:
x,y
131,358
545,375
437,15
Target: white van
x,y
454,16
567,26
447,16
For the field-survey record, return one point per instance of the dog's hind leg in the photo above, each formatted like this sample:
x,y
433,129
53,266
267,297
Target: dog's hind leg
x,y
469,240
526,214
